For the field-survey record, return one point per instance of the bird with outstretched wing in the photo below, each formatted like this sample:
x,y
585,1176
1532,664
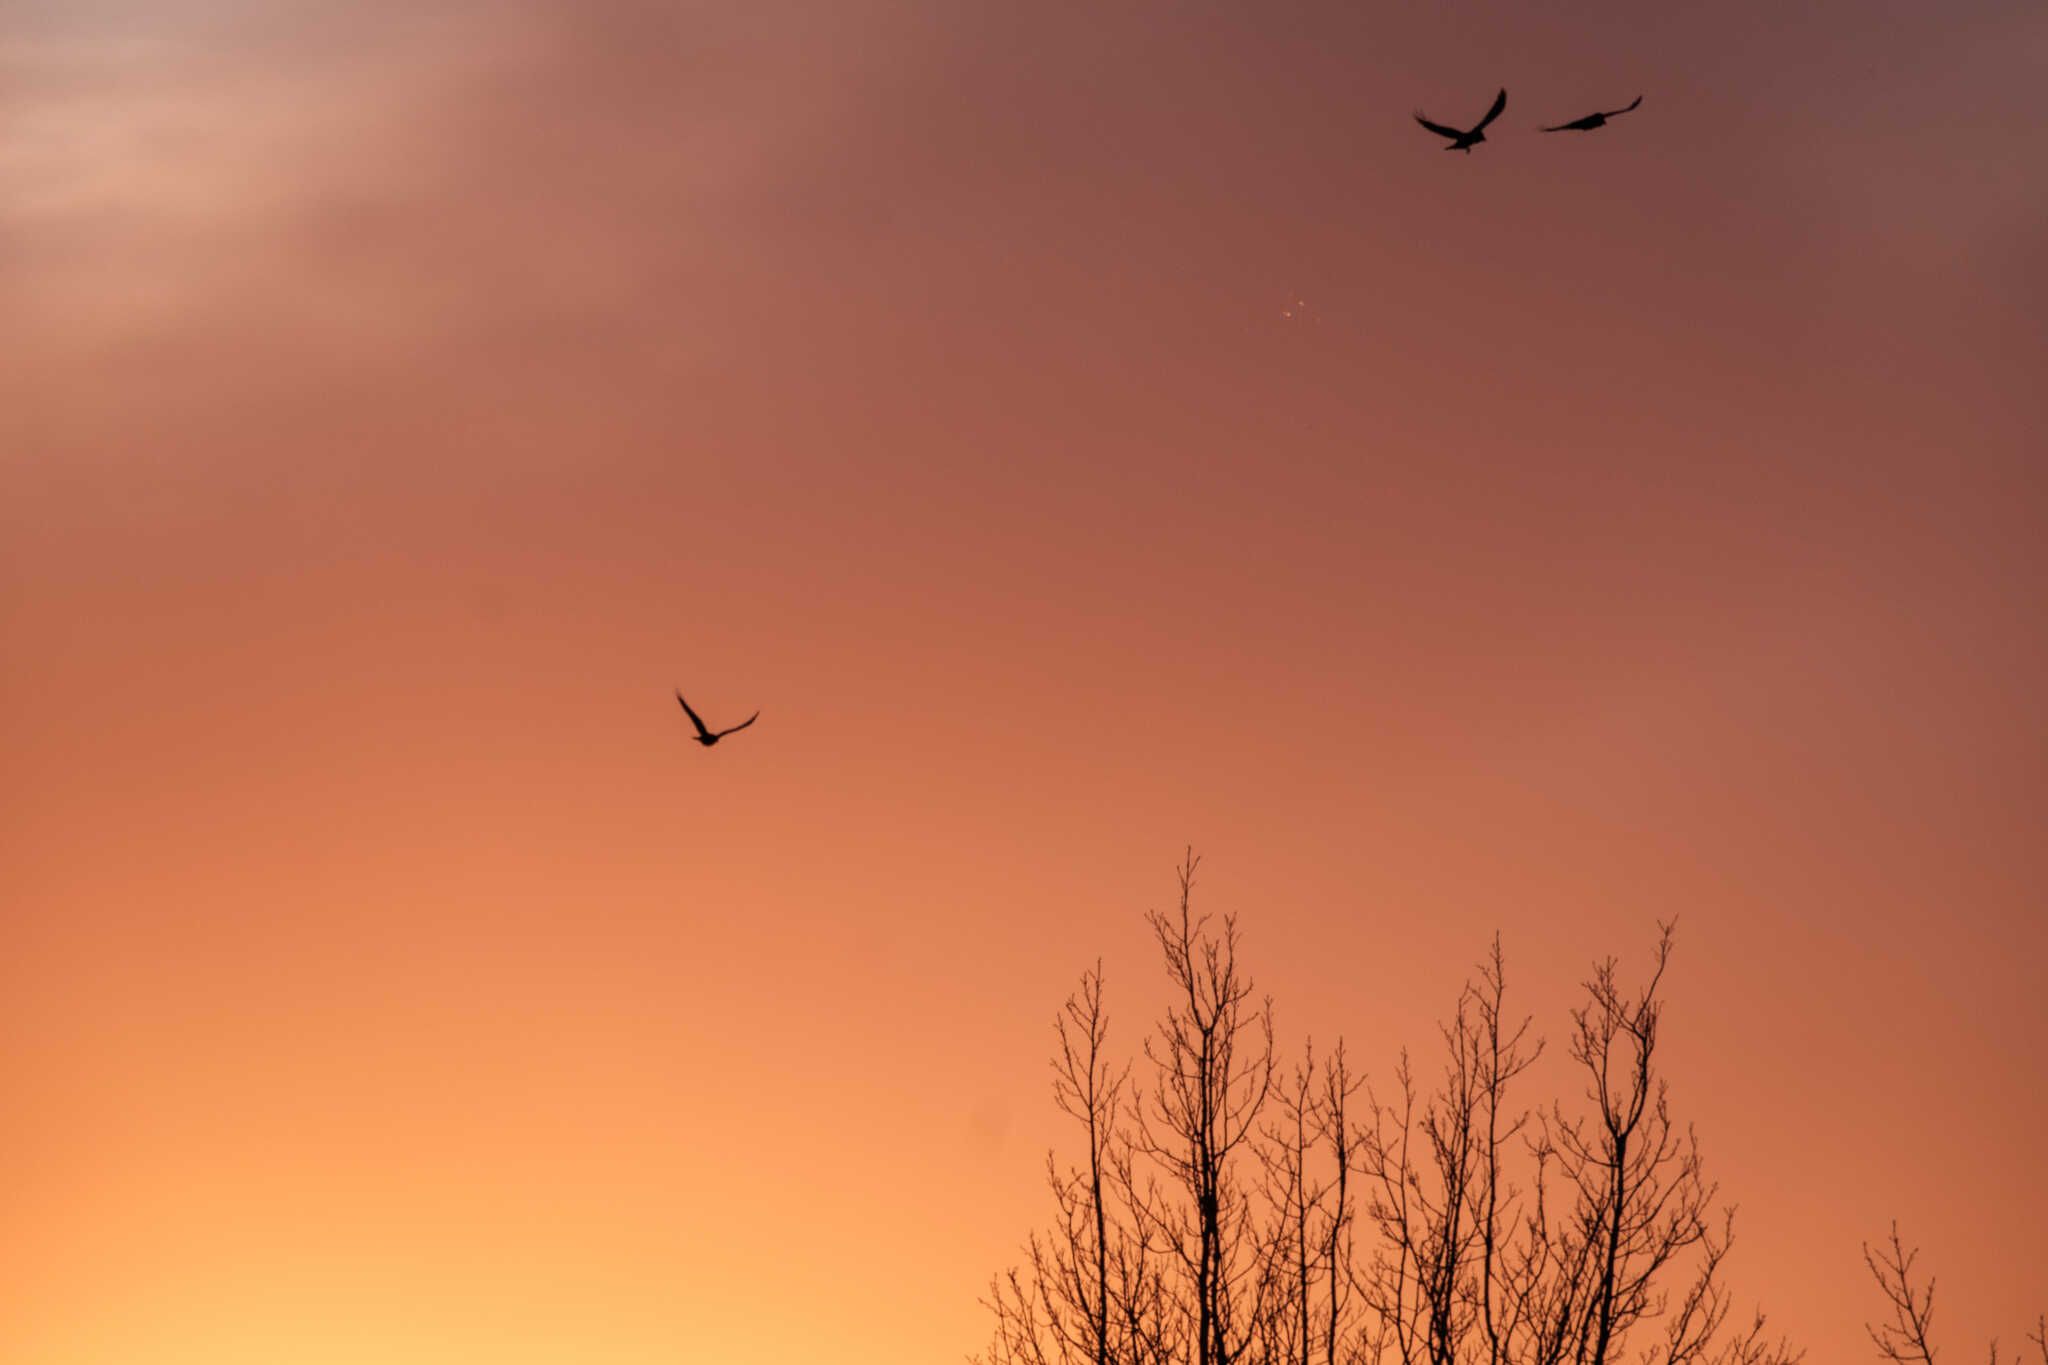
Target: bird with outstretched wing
x,y
705,735
1464,140
1595,120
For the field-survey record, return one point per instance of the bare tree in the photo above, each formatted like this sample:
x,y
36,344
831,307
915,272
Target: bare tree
x,y
1308,1155
1612,1227
1903,1340
1229,1211
1213,1072
1644,1214
1087,1091
1642,1196
1907,1339
1157,1252
1295,1199
1073,1300
1443,1284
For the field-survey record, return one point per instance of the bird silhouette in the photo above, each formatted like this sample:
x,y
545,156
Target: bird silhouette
x,y
1465,141
707,736
1592,121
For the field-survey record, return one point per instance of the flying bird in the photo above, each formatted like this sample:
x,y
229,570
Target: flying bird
x,y
1466,140
1592,121
705,735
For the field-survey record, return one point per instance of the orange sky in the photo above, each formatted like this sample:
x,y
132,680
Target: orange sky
x,y
399,400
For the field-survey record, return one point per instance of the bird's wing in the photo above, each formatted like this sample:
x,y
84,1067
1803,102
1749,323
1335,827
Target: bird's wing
x,y
1625,108
1439,129
1500,102
1575,125
737,728
695,719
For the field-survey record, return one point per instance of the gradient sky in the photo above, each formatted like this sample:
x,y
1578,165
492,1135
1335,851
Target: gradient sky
x,y
400,399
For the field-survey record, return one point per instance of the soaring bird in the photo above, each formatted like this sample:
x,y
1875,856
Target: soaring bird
x,y
1592,121
1465,141
705,735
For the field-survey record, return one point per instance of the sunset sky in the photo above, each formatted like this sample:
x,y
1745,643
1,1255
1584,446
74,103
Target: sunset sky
x,y
1083,430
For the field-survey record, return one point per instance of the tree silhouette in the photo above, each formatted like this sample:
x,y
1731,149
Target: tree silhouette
x,y
1085,1292
1308,1156
1447,1267
1228,1210
1908,1338
1212,1075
